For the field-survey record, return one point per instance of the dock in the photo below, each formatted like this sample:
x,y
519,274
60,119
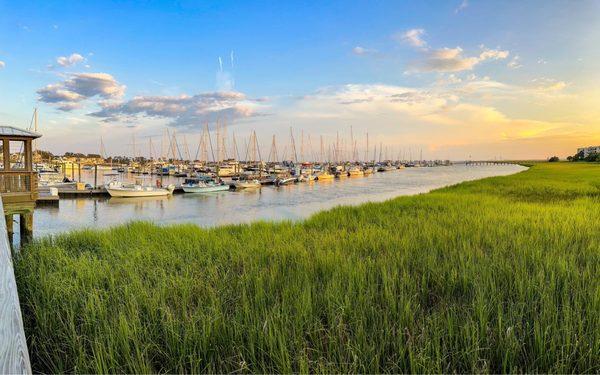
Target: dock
x,y
82,193
14,356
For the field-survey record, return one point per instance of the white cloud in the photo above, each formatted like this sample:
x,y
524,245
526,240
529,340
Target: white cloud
x,y
361,51
2,64
440,117
412,37
515,63
183,110
463,5
69,94
493,54
450,79
548,85
542,61
453,60
71,60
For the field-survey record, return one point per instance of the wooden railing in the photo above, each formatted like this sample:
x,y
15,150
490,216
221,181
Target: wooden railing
x,y
18,185
14,357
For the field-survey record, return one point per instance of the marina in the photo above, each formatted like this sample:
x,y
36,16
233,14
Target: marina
x,y
288,202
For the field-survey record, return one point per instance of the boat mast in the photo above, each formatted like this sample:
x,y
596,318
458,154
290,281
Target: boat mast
x,y
185,148
322,156
218,142
133,143
293,143
150,147
236,152
367,149
337,147
273,157
352,143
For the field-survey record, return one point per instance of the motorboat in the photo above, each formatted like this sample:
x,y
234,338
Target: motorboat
x,y
199,186
54,179
280,181
307,177
133,190
323,176
355,172
247,184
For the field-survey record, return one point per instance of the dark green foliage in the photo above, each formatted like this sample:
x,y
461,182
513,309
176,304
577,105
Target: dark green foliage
x,y
496,275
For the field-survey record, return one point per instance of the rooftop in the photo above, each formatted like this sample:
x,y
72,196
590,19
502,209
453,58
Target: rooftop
x,y
11,131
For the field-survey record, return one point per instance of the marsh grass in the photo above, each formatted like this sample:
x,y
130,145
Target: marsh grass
x,y
495,275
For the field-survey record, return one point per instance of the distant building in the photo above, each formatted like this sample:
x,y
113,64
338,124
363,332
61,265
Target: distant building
x,y
589,150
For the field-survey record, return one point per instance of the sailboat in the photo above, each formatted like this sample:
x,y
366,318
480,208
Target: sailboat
x,y
253,150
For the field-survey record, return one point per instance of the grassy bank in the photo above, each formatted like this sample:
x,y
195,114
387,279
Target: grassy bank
x,y
496,275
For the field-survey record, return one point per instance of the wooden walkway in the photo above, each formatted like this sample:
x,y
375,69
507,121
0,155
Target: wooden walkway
x,y
14,357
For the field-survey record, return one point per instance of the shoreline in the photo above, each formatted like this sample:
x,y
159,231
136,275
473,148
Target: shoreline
x,y
492,275
292,203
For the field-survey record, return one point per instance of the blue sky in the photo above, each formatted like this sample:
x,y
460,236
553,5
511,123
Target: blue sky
x,y
490,78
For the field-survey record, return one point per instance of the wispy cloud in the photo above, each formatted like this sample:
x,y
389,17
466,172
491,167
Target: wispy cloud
x,y
515,63
463,5
2,64
224,77
413,37
362,51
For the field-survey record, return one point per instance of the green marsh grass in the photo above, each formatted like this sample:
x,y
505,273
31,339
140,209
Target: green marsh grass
x,y
496,275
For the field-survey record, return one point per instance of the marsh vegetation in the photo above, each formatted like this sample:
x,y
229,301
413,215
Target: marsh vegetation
x,y
495,275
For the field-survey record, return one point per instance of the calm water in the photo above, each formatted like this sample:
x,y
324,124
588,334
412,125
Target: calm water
x,y
269,203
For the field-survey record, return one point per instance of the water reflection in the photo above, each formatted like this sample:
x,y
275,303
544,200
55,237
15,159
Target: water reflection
x,y
290,202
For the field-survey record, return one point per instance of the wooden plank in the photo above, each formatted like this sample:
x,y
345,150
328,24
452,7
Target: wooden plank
x,y
14,357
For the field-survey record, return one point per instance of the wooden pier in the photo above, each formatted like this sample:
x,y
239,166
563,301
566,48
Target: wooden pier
x,y
488,162
14,357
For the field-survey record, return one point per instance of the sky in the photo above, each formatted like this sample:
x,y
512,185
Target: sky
x,y
453,79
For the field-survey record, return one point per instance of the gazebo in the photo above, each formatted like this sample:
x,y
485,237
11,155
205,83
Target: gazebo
x,y
18,180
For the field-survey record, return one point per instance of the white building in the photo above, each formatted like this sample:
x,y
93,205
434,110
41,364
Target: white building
x,y
589,150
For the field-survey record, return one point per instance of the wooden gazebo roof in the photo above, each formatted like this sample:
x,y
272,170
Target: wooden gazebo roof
x,y
11,131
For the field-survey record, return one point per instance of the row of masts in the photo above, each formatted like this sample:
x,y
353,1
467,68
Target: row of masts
x,y
218,147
